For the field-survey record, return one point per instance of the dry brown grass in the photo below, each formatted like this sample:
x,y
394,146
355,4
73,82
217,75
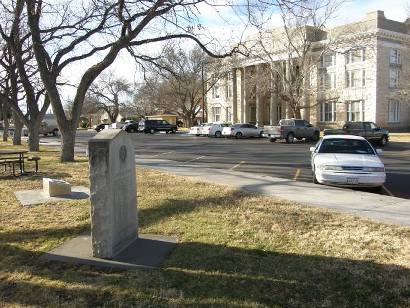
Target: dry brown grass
x,y
236,249
399,137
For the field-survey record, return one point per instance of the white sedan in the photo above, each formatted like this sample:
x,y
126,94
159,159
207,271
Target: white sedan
x,y
347,161
242,130
217,128
196,130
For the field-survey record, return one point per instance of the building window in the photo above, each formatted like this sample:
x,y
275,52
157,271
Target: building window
x,y
394,111
216,112
215,91
394,77
355,78
328,80
395,56
328,112
355,111
328,59
357,55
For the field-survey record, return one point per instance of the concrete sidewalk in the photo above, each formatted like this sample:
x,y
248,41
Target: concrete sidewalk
x,y
377,207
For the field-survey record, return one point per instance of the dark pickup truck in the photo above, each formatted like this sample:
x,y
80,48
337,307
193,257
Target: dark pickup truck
x,y
367,130
152,126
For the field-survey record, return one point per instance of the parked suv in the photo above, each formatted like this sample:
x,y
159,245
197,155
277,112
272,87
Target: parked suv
x,y
291,129
152,126
367,130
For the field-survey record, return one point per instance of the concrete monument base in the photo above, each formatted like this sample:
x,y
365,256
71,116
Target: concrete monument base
x,y
33,197
147,251
56,188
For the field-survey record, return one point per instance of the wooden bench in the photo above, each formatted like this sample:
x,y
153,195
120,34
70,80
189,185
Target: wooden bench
x,y
11,162
34,159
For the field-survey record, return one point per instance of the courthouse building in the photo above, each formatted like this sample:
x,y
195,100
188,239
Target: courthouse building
x,y
366,77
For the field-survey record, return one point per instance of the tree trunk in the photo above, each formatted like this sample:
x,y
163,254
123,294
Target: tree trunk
x,y
6,125
297,114
33,136
67,144
18,126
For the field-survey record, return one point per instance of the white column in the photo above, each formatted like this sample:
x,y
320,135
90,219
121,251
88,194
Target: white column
x,y
259,120
235,97
244,106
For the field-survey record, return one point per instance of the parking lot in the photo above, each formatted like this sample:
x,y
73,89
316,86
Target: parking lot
x,y
259,156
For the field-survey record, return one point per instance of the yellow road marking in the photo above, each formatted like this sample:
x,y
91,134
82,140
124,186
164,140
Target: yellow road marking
x,y
295,178
388,191
163,153
196,158
237,165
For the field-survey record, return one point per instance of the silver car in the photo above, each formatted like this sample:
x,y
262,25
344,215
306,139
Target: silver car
x,y
243,130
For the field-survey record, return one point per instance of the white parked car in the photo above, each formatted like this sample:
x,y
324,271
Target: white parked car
x,y
243,130
204,129
347,161
195,130
216,129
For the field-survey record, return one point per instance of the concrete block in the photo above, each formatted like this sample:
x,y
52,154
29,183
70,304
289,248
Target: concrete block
x,y
56,188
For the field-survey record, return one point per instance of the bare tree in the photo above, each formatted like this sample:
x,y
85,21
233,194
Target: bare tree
x,y
110,94
143,103
291,53
180,81
64,33
5,117
19,79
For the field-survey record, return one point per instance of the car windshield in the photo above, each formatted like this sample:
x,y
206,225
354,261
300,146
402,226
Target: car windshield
x,y
346,146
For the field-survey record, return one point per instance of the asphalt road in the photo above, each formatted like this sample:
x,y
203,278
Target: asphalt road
x,y
279,159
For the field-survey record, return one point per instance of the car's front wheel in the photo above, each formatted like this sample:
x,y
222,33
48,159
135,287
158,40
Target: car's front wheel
x,y
383,140
290,138
173,130
218,134
238,135
272,139
152,131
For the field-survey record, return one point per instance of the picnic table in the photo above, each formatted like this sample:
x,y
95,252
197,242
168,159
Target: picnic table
x,y
13,158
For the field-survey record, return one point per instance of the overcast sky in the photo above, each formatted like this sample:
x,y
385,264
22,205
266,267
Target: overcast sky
x,y
224,27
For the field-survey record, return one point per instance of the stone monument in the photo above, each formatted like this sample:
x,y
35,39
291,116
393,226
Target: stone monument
x,y
113,193
114,240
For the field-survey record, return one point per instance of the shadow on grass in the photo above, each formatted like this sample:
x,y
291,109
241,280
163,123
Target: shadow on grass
x,y
199,274
172,207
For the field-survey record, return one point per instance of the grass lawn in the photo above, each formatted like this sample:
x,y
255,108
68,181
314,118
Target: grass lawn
x,y
403,137
235,249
